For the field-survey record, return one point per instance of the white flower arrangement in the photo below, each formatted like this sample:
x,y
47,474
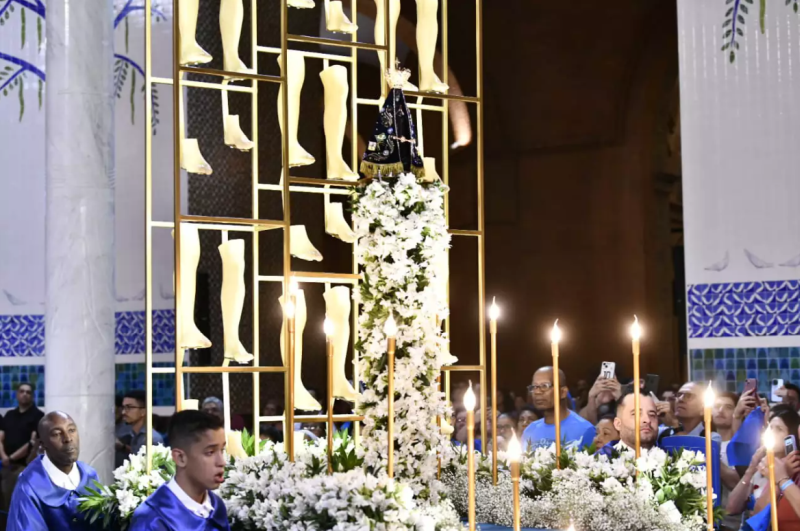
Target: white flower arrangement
x,y
115,503
268,492
403,235
590,491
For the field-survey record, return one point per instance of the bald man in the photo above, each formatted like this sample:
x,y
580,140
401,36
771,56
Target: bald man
x,y
47,492
575,430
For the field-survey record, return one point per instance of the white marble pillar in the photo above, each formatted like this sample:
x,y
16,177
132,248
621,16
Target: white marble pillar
x,y
79,333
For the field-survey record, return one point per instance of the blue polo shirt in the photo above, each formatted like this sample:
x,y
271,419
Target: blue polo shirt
x,y
575,430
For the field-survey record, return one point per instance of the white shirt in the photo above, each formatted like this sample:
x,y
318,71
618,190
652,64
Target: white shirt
x,y
203,510
60,479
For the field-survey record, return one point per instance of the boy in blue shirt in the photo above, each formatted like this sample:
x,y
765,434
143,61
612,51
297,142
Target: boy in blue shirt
x,y
186,502
575,430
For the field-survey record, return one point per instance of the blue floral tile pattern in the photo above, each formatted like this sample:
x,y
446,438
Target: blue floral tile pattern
x,y
730,367
131,376
21,335
12,376
130,332
744,309
24,335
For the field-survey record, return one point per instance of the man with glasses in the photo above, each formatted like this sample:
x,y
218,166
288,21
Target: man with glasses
x,y
134,413
17,439
542,433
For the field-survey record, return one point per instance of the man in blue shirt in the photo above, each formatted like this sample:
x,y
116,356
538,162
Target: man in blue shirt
x,y
575,430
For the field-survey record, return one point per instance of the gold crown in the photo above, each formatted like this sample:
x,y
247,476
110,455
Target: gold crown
x,y
397,76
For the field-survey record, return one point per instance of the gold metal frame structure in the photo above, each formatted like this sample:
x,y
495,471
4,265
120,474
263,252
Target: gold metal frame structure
x,y
292,184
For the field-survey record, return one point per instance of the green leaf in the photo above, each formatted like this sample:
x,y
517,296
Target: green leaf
x,y
133,95
740,18
743,9
126,34
39,30
41,93
22,14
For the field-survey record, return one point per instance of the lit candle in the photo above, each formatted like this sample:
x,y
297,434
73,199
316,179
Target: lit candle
x,y
328,329
769,444
708,402
289,310
636,333
555,337
514,456
494,313
390,329
469,405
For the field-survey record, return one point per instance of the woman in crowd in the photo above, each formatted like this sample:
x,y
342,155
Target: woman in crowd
x,y
753,490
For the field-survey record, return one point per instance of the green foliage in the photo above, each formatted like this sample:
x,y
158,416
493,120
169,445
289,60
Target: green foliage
x,y
249,443
344,456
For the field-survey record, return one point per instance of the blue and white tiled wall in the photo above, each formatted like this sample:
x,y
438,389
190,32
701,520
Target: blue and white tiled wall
x,y
23,336
730,367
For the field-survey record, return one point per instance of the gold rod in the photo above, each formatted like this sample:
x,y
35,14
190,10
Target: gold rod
x,y
148,232
445,97
177,101
495,412
162,370
388,40
422,106
232,221
460,232
329,406
325,182
335,42
446,168
208,226
481,227
202,84
390,408
255,213
464,368
306,276
314,418
287,257
217,369
309,55
323,280
354,159
231,75
303,189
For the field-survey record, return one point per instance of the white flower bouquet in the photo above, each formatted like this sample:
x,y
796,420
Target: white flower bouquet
x,y
592,492
115,503
268,492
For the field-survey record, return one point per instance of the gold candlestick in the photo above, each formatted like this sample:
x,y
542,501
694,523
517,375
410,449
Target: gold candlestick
x,y
469,405
555,337
390,329
636,333
708,402
514,457
494,313
290,330
769,444
328,328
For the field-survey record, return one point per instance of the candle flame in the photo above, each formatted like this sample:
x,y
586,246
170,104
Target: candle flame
x,y
494,310
709,396
555,335
514,450
636,330
327,326
769,439
390,327
469,398
288,309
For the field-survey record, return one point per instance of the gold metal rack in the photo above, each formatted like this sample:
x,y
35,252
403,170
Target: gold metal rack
x,y
291,184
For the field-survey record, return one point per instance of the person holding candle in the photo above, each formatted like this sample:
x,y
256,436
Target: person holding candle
x,y
753,492
541,433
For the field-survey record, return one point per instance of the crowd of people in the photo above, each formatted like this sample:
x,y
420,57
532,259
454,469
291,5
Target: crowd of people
x,y
41,473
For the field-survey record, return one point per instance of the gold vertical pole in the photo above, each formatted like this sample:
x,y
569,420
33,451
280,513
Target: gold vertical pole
x,y
390,409
708,405
495,412
481,220
148,230
555,337
769,444
177,101
329,430
289,429
635,334
469,405
287,220
354,165
256,242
